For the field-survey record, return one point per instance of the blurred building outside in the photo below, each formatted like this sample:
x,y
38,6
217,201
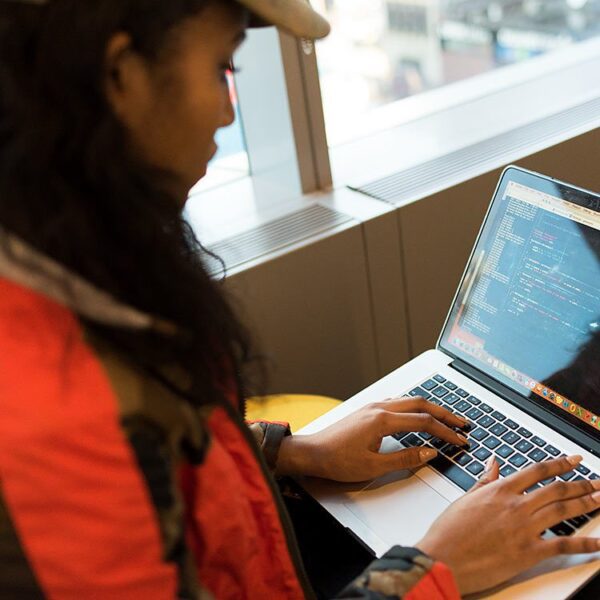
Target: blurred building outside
x,y
381,51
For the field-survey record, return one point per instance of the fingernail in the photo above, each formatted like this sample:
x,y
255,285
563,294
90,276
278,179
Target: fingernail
x,y
596,496
462,438
575,459
426,454
489,463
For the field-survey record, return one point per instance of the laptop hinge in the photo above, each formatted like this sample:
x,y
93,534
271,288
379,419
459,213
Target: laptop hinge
x,y
538,412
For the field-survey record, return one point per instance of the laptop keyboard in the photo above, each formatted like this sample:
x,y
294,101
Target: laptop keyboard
x,y
492,433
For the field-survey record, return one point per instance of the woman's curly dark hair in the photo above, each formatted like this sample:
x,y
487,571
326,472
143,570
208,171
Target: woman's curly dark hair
x,y
70,187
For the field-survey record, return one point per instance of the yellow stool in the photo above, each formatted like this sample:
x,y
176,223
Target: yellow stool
x,y
296,409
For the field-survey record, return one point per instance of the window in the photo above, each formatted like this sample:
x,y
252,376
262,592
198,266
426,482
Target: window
x,y
381,51
231,161
398,84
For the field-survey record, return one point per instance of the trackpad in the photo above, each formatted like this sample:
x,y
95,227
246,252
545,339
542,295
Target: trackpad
x,y
398,508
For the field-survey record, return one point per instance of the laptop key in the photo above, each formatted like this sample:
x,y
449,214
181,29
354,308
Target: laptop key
x,y
504,451
440,392
498,416
425,436
439,378
420,392
429,385
438,444
524,446
593,476
492,442
535,486
474,401
517,460
473,414
463,459
479,434
538,441
450,450
412,440
548,481
582,469
578,522
475,467
538,455
524,432
498,429
562,529
568,476
462,393
511,438
450,399
473,446
511,424
453,472
482,454
486,421
450,385
462,406
552,450
486,408
507,470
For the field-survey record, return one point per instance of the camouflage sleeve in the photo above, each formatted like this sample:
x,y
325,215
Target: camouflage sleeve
x,y
269,436
404,573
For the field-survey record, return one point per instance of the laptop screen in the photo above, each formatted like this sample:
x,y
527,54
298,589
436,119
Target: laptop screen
x,y
528,309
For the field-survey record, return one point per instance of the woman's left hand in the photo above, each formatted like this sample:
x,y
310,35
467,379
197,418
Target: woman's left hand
x,y
348,450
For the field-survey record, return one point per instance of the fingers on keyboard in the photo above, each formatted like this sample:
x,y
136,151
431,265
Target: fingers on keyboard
x,y
536,473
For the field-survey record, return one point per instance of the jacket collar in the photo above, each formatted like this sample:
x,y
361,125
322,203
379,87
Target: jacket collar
x,y
26,266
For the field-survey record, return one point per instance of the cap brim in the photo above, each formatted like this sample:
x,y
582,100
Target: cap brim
x,y
293,16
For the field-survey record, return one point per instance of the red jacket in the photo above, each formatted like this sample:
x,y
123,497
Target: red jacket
x,y
113,488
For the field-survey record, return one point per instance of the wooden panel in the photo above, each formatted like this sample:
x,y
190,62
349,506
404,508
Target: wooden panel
x,y
437,238
311,311
386,277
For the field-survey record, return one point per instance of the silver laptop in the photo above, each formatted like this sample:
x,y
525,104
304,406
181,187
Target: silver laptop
x,y
519,355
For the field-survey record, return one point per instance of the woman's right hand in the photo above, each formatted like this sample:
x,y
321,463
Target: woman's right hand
x,y
494,533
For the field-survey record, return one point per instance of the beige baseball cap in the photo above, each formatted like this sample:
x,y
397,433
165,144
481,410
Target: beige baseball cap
x,y
294,16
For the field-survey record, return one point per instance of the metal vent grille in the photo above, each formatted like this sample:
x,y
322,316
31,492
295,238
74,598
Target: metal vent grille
x,y
274,235
425,178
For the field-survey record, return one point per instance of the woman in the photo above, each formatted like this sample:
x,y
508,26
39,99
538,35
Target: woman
x,y
126,469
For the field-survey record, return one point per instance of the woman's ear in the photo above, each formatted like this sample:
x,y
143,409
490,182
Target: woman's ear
x,y
126,80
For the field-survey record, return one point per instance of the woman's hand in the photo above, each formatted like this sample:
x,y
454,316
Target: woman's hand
x,y
493,533
349,449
